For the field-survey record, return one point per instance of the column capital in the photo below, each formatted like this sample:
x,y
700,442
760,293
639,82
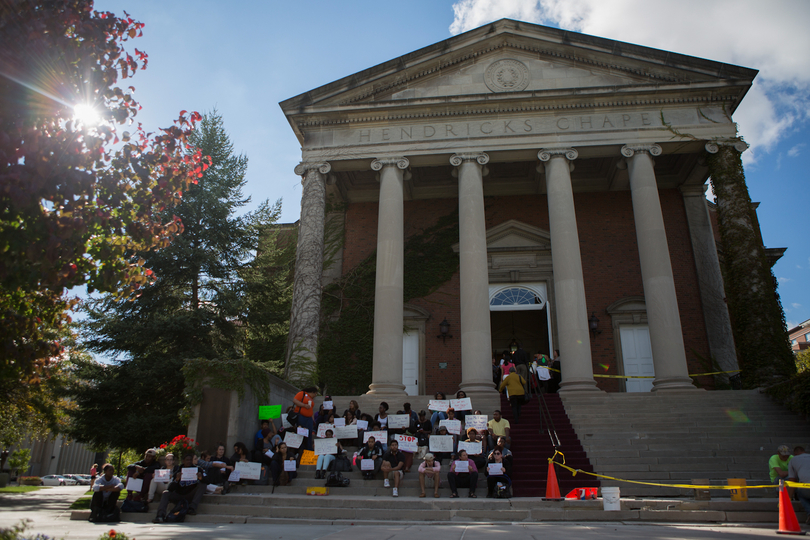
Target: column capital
x,y
697,190
305,166
400,162
457,159
546,154
714,145
629,150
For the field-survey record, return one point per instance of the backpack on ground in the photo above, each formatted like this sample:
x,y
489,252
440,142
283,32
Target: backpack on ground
x,y
342,464
178,513
134,506
501,490
335,479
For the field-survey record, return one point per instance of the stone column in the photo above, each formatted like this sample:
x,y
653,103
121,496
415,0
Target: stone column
x,y
663,316
302,341
476,338
388,290
569,285
710,279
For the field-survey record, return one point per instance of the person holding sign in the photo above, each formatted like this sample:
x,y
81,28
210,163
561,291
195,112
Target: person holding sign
x,y
393,463
430,470
240,452
439,415
498,470
185,485
325,460
382,416
373,451
461,414
158,485
468,478
106,490
304,401
143,469
499,427
281,476
266,438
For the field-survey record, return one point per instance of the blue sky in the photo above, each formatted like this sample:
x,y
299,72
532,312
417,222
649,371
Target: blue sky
x,y
245,57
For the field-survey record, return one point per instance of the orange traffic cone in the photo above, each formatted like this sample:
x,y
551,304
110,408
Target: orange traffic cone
x,y
788,524
552,488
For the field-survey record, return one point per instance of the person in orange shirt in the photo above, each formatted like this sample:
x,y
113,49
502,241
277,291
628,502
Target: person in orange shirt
x,y
304,402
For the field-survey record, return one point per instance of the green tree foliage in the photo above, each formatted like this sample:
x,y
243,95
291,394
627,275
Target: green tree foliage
x,y
196,308
18,460
75,198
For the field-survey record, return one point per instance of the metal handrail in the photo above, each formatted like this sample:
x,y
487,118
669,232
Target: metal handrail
x,y
545,415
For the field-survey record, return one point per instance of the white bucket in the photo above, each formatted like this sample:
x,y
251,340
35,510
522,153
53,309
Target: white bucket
x,y
611,500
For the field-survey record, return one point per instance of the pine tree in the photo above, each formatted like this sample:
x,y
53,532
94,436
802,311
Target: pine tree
x,y
196,308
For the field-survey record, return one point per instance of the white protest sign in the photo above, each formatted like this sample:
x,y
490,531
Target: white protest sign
x,y
136,484
210,488
379,436
219,464
269,453
362,424
398,421
328,406
234,477
346,432
441,443
495,469
188,473
293,440
249,471
340,422
162,475
325,446
453,426
289,465
477,421
462,466
407,443
366,464
322,430
284,423
461,404
304,432
472,448
440,405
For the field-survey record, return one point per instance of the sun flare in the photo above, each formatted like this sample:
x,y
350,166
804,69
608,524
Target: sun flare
x,y
86,114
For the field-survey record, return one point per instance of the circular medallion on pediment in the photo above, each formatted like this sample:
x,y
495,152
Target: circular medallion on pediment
x,y
507,76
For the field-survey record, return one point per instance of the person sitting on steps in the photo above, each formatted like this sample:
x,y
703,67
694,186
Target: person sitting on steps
x,y
496,456
325,460
393,463
106,490
468,479
372,450
430,469
280,476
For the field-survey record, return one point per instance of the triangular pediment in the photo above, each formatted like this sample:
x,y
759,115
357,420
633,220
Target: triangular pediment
x,y
514,62
514,235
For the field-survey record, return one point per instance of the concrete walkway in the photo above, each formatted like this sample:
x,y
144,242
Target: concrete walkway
x,y
48,511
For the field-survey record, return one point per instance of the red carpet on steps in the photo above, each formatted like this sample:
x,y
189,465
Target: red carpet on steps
x,y
532,447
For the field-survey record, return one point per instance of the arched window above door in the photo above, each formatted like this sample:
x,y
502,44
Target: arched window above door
x,y
516,299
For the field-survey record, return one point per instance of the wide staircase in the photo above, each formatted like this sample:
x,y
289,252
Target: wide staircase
x,y
675,437
533,444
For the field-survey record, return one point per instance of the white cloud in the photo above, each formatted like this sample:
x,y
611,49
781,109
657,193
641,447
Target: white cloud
x,y
795,305
773,40
791,324
783,279
796,150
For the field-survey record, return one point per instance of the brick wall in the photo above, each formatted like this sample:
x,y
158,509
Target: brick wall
x,y
610,268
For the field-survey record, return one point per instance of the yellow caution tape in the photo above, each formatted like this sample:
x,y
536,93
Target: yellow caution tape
x,y
650,376
680,486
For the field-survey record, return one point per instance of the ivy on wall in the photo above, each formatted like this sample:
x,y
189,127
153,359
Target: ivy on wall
x,y
347,324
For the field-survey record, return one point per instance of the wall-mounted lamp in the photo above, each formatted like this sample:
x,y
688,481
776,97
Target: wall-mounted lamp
x,y
593,324
444,328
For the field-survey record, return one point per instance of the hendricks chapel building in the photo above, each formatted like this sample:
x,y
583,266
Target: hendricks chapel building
x,y
574,169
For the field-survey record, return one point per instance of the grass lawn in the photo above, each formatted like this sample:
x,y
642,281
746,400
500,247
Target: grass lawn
x,y
20,489
83,502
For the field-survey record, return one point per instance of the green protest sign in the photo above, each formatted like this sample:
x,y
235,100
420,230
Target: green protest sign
x,y
267,412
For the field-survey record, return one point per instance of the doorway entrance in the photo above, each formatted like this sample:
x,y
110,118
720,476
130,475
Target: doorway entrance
x,y
520,312
637,356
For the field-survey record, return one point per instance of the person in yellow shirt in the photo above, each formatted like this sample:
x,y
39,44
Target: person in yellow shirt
x,y
514,385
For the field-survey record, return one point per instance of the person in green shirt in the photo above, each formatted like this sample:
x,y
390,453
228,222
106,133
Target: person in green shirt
x,y
778,464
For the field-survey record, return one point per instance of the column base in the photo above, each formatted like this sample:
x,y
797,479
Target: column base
x,y
386,389
582,385
673,383
478,387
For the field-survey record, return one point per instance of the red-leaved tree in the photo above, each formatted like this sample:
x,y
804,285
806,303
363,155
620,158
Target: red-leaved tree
x,y
77,198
